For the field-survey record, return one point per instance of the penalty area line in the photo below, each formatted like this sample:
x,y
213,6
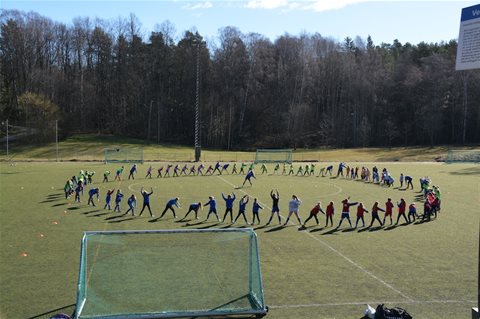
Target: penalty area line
x,y
318,305
341,255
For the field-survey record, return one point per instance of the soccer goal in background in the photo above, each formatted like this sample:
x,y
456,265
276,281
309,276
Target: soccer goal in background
x,y
463,156
123,155
273,156
170,274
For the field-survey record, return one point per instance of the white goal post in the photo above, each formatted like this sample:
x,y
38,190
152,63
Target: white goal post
x,y
273,156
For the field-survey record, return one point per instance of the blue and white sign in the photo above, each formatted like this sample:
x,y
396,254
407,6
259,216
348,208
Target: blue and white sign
x,y
468,50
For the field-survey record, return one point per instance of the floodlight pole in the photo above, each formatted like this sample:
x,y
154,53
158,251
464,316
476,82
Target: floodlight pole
x,y
56,137
7,137
198,148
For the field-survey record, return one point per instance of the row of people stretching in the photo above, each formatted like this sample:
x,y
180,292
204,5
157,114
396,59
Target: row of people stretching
x,y
431,207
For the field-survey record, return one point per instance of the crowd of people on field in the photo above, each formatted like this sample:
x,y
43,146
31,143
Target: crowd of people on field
x,y
430,194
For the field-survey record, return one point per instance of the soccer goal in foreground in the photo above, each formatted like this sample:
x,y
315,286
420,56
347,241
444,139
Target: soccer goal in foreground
x,y
273,156
170,274
123,155
463,156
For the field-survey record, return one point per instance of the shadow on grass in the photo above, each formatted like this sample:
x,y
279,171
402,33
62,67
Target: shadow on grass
x,y
348,230
363,229
317,229
98,215
332,231
391,227
195,224
73,208
376,228
91,211
121,220
260,227
208,226
56,195
66,309
275,229
114,217
60,204
49,200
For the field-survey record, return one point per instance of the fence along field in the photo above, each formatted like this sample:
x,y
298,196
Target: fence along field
x,y
429,269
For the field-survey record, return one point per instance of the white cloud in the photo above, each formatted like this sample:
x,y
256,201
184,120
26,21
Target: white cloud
x,y
198,5
266,4
326,5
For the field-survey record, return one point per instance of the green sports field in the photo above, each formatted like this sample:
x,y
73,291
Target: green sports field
x,y
430,269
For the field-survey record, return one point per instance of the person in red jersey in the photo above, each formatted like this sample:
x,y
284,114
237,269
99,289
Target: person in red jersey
x,y
346,211
313,213
402,206
360,213
388,211
329,214
375,210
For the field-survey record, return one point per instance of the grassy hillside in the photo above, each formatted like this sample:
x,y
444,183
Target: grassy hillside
x,y
91,148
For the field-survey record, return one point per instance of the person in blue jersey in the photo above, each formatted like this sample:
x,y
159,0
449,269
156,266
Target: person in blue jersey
x,y
149,172
408,180
132,203
92,192
229,199
133,170
118,199
200,169
213,207
248,177
175,170
146,201
275,196
171,202
184,170
329,170
194,207
217,168
241,209
159,171
255,210
225,168
78,191
108,199
167,170
341,166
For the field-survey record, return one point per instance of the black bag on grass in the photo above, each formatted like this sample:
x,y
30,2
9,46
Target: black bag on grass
x,y
383,312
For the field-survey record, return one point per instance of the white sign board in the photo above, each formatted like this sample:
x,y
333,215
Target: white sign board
x,y
468,50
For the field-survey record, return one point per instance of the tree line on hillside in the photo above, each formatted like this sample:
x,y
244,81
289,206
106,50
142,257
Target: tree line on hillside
x,y
297,91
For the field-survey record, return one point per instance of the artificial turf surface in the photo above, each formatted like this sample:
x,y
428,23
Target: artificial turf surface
x,y
428,268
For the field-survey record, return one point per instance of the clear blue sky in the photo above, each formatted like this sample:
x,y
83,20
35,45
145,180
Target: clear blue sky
x,y
407,21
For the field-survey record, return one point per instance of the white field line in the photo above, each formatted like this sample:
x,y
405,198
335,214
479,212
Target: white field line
x,y
342,255
372,303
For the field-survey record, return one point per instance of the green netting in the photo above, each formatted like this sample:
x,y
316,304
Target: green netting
x,y
273,156
169,274
123,155
463,156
